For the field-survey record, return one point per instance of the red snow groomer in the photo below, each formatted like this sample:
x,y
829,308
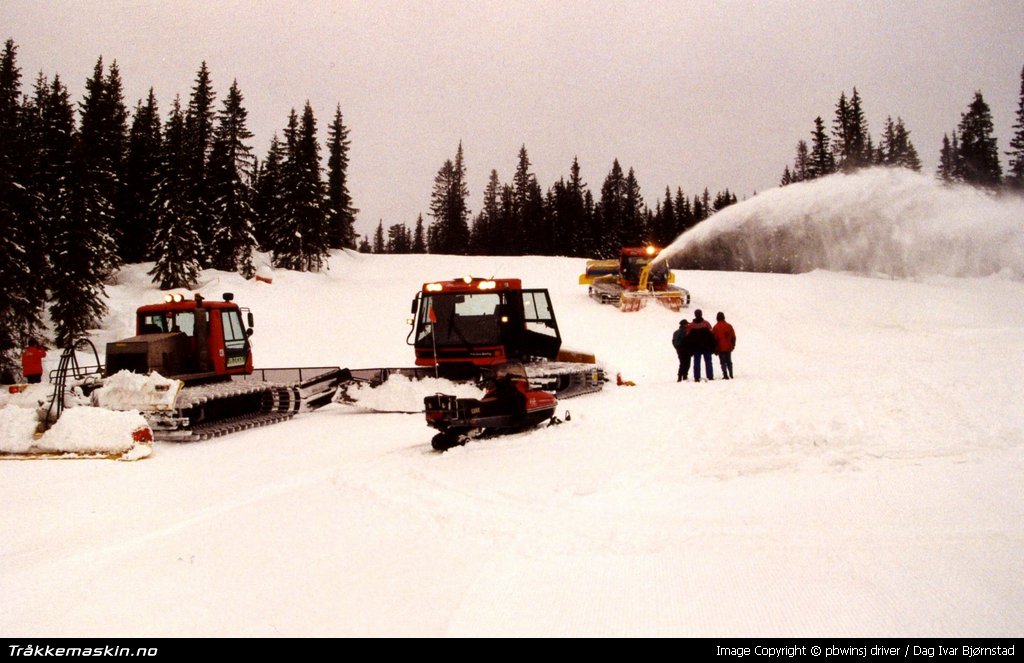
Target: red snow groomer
x,y
509,405
464,326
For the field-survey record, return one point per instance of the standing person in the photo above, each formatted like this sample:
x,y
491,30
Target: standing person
x,y
702,343
32,362
683,350
725,343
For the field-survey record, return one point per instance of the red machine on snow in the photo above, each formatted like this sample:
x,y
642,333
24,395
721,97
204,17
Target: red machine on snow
x,y
509,406
200,381
465,325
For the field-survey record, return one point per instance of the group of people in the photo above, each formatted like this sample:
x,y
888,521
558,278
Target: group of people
x,y
698,340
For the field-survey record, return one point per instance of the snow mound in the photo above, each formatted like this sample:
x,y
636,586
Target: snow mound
x,y
131,391
80,430
17,429
404,394
875,221
94,430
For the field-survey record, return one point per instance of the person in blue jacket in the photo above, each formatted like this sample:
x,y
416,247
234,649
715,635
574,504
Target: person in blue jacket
x,y
683,350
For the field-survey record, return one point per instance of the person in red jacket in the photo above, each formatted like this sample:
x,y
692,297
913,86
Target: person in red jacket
x,y
32,362
725,343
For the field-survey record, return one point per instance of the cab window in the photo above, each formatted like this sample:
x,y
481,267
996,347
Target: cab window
x,y
234,333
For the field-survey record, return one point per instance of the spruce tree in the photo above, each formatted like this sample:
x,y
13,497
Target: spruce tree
x,y
947,161
84,248
142,175
449,233
979,153
175,244
822,160
802,164
378,239
268,204
634,230
116,152
1015,173
300,239
341,214
850,129
483,236
612,212
531,236
684,212
399,240
575,211
229,188
198,141
419,241
19,315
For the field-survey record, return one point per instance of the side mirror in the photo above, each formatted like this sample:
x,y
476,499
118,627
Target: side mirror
x,y
413,309
250,319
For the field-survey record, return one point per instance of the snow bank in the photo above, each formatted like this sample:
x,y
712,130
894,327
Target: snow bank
x,y
93,430
80,430
17,428
131,391
402,394
877,221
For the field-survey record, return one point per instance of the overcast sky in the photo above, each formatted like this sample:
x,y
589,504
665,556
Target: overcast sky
x,y
689,93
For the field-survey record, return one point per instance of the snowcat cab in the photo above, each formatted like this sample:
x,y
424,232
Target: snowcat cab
x,y
192,339
464,324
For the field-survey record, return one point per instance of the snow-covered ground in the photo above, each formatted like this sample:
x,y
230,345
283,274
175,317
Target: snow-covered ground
x,y
859,477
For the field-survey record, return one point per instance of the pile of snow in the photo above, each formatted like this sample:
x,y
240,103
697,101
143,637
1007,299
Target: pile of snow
x,y
131,391
17,429
876,221
79,431
88,430
401,394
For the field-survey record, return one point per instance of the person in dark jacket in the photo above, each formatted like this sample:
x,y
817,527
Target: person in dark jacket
x,y
683,350
725,343
702,343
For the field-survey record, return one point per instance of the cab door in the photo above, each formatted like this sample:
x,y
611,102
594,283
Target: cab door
x,y
237,354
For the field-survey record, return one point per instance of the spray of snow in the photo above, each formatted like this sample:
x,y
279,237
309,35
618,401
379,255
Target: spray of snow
x,y
876,221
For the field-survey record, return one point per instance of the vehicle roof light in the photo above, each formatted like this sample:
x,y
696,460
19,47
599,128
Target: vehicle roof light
x,y
168,298
487,285
178,297
434,287
467,279
651,250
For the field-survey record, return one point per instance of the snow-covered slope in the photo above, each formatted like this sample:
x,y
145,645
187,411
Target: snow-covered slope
x,y
859,477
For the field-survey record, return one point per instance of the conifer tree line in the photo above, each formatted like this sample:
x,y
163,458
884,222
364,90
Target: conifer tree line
x,y
86,188
847,145
969,154
521,218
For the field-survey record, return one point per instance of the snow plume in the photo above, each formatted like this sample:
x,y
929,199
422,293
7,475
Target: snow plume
x,y
876,221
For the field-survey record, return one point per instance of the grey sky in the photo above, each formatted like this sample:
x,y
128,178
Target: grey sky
x,y
689,94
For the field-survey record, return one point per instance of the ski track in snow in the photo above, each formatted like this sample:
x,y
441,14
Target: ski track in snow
x,y
858,478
